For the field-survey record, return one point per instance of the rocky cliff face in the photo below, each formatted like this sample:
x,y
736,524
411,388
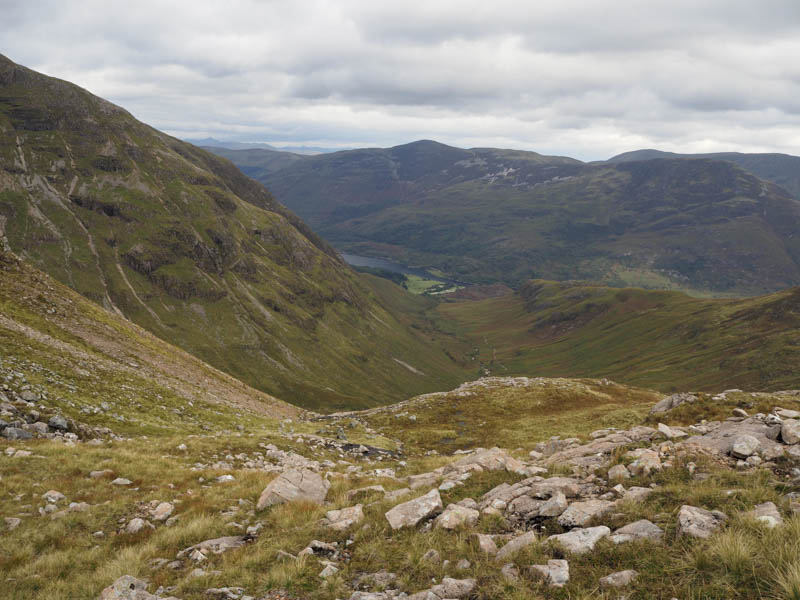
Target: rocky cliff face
x,y
181,242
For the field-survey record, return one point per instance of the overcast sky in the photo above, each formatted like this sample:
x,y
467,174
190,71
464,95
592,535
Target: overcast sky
x,y
587,79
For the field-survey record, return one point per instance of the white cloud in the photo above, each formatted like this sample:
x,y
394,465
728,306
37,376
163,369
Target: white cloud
x,y
582,78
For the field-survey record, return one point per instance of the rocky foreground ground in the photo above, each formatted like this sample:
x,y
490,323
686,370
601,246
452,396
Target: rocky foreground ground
x,y
654,510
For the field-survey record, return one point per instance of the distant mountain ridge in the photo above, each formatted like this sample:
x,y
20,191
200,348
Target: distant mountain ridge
x,y
780,169
215,143
181,242
487,215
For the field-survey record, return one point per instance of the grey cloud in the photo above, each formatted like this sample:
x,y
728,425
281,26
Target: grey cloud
x,y
579,77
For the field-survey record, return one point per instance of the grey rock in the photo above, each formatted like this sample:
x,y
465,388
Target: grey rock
x,y
341,519
136,525
619,579
618,473
510,572
432,556
647,462
58,423
408,514
127,588
294,484
15,433
790,431
555,572
53,496
12,523
454,588
580,513
767,513
579,541
162,511
485,543
216,545
555,506
515,545
638,530
698,522
671,402
744,445
455,516
121,481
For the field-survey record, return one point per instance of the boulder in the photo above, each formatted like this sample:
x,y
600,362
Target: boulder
x,y
58,423
162,511
294,484
515,545
671,402
619,579
698,522
217,545
580,513
455,516
555,572
579,541
408,514
618,473
647,462
555,506
15,433
485,543
136,525
744,446
638,530
341,519
766,513
790,431
127,588
454,588
53,497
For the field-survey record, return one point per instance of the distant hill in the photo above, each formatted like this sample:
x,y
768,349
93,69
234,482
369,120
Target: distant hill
x,y
182,243
489,215
215,143
780,169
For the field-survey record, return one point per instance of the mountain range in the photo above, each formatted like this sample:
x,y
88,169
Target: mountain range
x,y
179,241
706,226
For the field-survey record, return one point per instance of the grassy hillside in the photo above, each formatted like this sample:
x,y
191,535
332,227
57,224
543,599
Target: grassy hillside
x,y
780,169
182,243
489,215
78,355
662,340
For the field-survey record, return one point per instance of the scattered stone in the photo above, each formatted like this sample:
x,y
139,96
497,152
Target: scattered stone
x,y
341,519
216,545
225,479
790,431
515,545
127,588
12,523
744,445
463,565
669,432
767,513
510,572
739,412
294,484
485,543
647,462
581,513
15,433
121,481
618,473
58,423
98,474
137,524
579,541
454,588
432,556
638,530
555,572
619,579
671,402
328,571
455,516
162,511
698,522
408,514
554,506
53,497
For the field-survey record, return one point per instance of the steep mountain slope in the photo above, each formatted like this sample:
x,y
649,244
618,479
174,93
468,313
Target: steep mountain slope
x,y
182,243
486,215
81,355
655,339
780,169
